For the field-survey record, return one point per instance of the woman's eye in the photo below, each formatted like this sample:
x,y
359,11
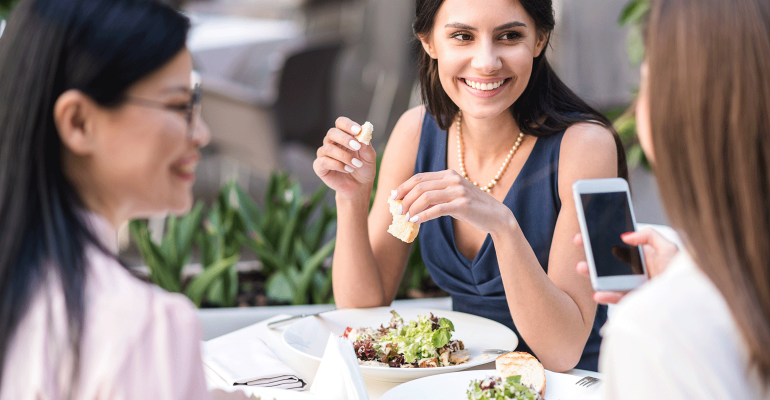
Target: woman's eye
x,y
463,37
510,36
178,107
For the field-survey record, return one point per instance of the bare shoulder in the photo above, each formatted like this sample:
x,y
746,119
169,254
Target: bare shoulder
x,y
588,150
401,151
409,126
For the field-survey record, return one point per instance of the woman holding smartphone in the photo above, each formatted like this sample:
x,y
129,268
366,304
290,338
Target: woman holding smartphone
x,y
99,124
701,328
486,167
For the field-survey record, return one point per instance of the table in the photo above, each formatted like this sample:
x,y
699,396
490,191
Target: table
x,y
306,368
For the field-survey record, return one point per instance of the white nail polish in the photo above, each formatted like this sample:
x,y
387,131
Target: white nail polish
x,y
393,194
356,129
406,217
349,168
400,209
355,144
358,163
414,219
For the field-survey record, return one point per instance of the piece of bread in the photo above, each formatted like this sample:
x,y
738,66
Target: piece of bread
x,y
404,230
366,133
524,364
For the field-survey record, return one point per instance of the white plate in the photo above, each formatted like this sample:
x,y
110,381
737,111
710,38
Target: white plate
x,y
309,336
454,386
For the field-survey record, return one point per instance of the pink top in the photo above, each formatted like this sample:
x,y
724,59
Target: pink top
x,y
138,341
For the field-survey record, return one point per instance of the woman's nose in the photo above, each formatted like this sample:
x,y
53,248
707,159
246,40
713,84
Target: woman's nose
x,y
486,60
201,133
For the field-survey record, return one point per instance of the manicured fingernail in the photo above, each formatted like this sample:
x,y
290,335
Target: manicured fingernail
x,y
406,217
349,168
414,219
356,129
393,194
358,163
355,144
400,209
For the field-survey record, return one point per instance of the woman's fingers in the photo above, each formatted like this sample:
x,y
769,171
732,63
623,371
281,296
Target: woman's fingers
x,y
608,297
347,125
342,139
448,176
423,195
582,267
337,153
648,236
322,166
578,239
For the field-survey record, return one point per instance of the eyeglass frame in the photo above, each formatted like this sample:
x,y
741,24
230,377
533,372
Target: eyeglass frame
x,y
192,110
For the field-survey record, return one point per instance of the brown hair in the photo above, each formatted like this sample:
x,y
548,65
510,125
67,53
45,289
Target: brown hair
x,y
546,106
709,85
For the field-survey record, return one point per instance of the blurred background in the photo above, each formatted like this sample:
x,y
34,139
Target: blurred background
x,y
276,74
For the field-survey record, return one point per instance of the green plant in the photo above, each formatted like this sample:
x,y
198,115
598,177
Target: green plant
x,y
221,240
288,238
167,259
633,15
6,6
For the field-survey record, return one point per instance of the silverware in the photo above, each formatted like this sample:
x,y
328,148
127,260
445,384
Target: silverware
x,y
284,321
495,351
587,381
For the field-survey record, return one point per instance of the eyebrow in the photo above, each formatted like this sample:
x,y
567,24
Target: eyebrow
x,y
177,89
459,25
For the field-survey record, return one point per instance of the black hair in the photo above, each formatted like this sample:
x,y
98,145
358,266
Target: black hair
x,y
101,48
546,106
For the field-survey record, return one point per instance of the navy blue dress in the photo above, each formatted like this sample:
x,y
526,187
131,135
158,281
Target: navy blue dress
x,y
475,285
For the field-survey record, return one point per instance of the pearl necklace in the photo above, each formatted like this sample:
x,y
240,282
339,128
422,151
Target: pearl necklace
x,y
493,182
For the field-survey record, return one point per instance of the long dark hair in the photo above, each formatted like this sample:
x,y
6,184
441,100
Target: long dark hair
x,y
100,47
546,106
709,108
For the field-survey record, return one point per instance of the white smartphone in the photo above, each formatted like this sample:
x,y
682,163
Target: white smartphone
x,y
605,212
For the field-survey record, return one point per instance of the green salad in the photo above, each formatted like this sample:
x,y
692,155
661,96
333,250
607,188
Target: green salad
x,y
501,389
426,342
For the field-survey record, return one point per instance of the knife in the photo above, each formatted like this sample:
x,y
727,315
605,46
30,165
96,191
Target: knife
x,y
284,321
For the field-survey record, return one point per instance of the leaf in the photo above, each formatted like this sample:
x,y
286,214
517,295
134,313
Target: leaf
x,y
200,284
279,287
634,12
440,337
189,227
445,323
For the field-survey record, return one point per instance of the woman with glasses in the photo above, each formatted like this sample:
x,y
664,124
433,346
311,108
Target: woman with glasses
x,y
99,124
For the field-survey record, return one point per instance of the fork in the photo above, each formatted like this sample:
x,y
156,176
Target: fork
x,y
587,381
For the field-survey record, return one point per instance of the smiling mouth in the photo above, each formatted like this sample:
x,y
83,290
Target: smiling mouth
x,y
485,86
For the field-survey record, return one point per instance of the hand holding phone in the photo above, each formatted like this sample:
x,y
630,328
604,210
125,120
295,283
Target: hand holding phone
x,y
605,213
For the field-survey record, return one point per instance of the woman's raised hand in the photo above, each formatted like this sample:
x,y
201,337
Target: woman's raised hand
x,y
658,252
434,194
343,163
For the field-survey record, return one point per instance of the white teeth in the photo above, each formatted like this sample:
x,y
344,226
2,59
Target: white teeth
x,y
484,86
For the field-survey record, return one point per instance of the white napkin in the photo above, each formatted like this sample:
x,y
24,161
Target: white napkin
x,y
339,375
248,361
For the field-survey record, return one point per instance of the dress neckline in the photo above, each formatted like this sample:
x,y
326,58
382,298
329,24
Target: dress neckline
x,y
447,220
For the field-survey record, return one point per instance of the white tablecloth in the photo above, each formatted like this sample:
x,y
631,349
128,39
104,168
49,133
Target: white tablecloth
x,y
306,368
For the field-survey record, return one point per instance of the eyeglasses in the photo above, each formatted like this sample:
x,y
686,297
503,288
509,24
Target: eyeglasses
x,y
191,110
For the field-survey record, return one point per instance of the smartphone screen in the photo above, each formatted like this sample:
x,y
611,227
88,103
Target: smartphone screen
x,y
607,216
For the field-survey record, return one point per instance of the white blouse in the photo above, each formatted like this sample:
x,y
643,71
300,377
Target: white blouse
x,y
675,338
138,341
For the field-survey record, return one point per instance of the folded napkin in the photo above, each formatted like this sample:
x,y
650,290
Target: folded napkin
x,y
339,375
248,361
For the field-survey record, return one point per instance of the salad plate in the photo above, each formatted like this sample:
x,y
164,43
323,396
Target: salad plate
x,y
455,385
309,336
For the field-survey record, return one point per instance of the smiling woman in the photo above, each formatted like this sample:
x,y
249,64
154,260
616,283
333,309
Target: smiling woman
x,y
486,167
99,123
